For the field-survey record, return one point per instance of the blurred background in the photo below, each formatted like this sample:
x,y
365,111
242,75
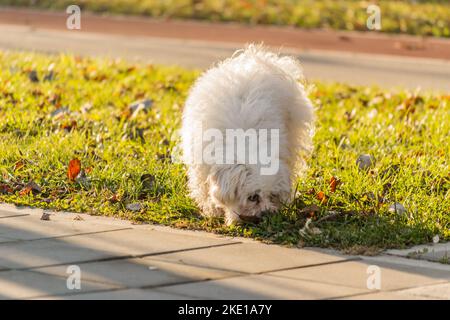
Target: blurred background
x,y
416,17
357,42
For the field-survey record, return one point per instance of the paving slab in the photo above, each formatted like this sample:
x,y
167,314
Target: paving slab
x,y
25,284
126,294
260,287
119,260
438,291
355,274
30,227
252,257
10,210
439,252
98,246
383,296
140,272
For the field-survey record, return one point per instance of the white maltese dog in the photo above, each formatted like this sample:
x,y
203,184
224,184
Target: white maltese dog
x,y
245,124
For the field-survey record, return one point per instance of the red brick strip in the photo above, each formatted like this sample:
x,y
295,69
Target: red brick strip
x,y
368,42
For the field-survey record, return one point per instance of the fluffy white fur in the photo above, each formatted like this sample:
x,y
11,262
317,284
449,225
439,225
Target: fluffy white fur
x,y
255,89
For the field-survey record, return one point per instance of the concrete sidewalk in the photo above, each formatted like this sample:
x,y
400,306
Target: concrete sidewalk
x,y
119,260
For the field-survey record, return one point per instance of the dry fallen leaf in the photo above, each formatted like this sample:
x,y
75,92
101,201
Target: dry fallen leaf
x,y
45,216
365,161
33,76
30,187
133,109
5,189
78,218
310,210
321,197
148,181
69,126
59,113
334,182
19,165
26,190
74,169
134,207
114,198
397,208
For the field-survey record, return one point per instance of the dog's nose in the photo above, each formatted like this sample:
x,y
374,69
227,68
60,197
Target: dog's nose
x,y
251,219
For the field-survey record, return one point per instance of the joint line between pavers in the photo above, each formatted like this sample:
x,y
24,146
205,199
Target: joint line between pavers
x,y
310,265
101,291
15,216
398,290
61,237
113,258
188,249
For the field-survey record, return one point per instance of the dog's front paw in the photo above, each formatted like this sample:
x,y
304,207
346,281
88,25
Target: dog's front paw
x,y
232,219
212,211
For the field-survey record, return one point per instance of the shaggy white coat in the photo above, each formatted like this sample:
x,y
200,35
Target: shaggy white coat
x,y
254,89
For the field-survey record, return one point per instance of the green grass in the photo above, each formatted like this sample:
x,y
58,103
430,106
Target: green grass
x,y
407,133
412,17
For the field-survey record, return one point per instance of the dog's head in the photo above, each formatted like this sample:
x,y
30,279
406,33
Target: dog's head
x,y
244,194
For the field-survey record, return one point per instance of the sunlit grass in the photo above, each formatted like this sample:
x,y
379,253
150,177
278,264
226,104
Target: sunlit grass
x,y
407,134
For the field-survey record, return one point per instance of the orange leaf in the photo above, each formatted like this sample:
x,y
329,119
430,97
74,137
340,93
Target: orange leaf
x,y
69,126
113,198
26,190
334,182
310,210
19,165
74,169
322,197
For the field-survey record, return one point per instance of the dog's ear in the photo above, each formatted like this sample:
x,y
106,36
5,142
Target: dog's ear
x,y
225,182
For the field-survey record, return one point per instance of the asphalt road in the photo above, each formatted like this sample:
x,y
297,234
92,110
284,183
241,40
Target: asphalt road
x,y
359,69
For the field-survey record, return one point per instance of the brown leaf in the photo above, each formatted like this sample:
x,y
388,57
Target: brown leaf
x,y
19,165
5,189
74,169
321,197
114,198
55,99
134,207
334,182
33,76
45,216
30,187
310,210
69,126
25,191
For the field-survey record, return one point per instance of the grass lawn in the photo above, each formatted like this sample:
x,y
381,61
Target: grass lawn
x,y
419,17
54,109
